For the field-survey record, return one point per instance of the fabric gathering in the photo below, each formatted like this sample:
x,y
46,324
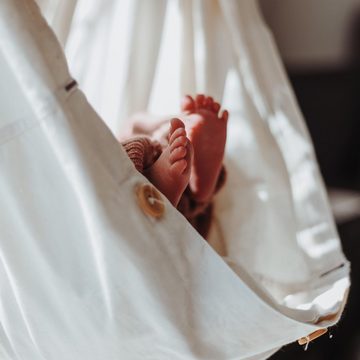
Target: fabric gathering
x,y
97,261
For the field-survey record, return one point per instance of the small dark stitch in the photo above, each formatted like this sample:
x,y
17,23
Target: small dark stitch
x,y
330,271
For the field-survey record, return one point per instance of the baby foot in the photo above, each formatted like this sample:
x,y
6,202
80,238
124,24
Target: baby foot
x,y
171,171
206,129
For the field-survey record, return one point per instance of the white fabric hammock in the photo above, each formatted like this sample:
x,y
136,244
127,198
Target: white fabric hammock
x,y
84,273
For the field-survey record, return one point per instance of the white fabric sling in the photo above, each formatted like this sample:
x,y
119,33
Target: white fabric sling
x,y
84,272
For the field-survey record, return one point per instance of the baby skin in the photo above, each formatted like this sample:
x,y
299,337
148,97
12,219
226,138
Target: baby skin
x,y
195,151
170,173
206,129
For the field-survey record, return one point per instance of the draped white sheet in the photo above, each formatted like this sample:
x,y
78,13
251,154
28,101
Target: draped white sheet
x,y
83,273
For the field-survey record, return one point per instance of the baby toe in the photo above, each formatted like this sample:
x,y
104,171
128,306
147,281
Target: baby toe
x,y
224,116
177,154
216,107
176,124
177,133
179,141
199,100
208,103
178,167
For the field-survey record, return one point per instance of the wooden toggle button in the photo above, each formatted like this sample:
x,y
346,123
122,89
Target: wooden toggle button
x,y
305,340
150,200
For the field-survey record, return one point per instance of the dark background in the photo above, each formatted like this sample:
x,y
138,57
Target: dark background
x,y
319,41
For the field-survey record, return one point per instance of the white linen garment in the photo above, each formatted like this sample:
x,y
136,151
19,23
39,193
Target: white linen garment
x,y
84,272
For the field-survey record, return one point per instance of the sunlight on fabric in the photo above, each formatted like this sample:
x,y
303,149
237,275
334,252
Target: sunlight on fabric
x,y
316,249
165,94
103,74
325,301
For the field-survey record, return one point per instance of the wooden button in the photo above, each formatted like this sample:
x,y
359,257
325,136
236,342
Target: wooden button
x,y
150,200
305,340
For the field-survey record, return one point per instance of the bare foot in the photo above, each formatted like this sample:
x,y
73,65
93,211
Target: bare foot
x,y
206,129
171,172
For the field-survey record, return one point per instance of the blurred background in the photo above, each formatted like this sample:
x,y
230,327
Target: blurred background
x,y
319,41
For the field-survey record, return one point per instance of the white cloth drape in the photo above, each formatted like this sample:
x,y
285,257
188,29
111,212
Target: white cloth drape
x,y
84,274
